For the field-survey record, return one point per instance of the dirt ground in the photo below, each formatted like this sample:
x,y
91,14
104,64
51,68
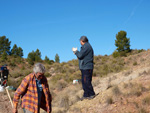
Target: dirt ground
x,y
5,105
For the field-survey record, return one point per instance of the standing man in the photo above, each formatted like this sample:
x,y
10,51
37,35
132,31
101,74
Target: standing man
x,y
34,92
85,56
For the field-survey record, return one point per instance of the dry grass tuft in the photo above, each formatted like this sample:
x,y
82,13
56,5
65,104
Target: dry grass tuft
x,y
109,100
146,100
128,73
134,89
64,101
116,91
143,73
142,110
61,85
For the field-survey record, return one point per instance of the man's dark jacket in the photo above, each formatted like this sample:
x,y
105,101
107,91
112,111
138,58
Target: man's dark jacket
x,y
85,56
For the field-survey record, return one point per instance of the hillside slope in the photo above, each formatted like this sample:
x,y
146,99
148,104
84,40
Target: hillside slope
x,y
125,92
122,85
119,93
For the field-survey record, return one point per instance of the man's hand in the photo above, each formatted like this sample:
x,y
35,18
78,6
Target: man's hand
x,y
15,110
74,49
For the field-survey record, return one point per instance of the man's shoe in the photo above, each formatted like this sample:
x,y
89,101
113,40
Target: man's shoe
x,y
83,98
91,97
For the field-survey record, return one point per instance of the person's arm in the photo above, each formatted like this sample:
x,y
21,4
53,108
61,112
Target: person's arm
x,y
20,90
49,95
81,54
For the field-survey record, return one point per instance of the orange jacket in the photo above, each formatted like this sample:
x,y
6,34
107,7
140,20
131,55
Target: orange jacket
x,y
29,96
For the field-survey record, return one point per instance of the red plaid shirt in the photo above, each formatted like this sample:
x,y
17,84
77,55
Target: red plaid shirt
x,y
29,96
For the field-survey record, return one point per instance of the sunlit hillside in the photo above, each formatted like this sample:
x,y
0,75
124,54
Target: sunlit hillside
x,y
122,84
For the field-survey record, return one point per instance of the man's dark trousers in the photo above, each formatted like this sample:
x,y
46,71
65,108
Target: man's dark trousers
x,y
86,82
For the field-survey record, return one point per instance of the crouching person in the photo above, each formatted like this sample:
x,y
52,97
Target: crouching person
x,y
34,92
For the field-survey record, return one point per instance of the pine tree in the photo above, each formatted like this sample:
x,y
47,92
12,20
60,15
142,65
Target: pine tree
x,y
31,57
4,56
57,58
14,50
20,52
46,59
34,57
4,45
17,51
122,42
37,55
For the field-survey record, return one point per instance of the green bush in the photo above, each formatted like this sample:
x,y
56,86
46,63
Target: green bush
x,y
57,78
4,56
27,72
17,74
115,54
47,74
119,54
123,54
22,68
14,83
19,60
141,50
135,63
13,63
73,62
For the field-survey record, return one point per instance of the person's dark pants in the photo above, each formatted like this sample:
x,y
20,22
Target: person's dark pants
x,y
86,82
26,111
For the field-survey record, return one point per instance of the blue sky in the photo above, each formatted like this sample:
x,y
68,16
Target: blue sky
x,y
55,26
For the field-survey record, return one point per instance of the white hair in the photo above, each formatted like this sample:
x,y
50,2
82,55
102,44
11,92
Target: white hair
x,y
39,68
